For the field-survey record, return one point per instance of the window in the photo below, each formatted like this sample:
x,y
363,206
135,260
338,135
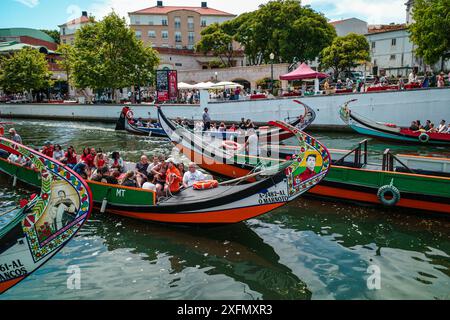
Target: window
x,y
64,31
151,34
373,44
138,34
394,42
164,22
177,36
191,37
137,22
177,23
190,46
393,57
165,34
150,22
203,23
178,64
191,23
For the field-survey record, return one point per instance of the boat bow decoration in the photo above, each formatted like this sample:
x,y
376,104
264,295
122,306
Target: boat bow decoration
x,y
34,232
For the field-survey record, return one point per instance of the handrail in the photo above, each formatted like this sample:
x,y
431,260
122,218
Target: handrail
x,y
388,162
358,154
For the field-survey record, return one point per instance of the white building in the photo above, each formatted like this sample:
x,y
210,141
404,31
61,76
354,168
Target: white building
x,y
352,25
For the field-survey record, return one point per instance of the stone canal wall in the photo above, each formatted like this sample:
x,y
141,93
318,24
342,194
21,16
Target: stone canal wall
x,y
400,107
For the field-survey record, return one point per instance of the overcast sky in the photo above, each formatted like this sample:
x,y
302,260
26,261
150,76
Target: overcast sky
x,y
50,13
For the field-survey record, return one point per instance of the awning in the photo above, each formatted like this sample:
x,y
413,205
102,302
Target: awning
x,y
303,72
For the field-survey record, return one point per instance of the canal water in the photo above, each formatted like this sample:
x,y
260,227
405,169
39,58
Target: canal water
x,y
309,249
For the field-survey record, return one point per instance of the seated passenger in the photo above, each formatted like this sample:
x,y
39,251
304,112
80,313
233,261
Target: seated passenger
x,y
82,169
89,159
192,176
86,152
141,171
101,175
58,153
139,123
432,129
129,180
70,157
173,178
99,160
48,149
159,179
113,178
442,127
181,168
413,126
116,162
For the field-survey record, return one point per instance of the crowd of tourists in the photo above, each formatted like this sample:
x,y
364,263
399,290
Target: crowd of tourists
x,y
430,127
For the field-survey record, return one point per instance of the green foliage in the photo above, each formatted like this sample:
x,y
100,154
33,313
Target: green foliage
x,y
54,34
217,41
285,28
67,53
345,53
25,70
107,54
431,30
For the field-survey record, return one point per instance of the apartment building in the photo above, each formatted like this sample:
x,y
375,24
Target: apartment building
x,y
174,26
67,30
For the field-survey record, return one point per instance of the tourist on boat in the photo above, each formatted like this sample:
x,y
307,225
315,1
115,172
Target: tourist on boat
x,y
100,176
113,177
156,161
401,83
339,84
48,149
181,168
412,78
116,162
427,125
99,160
426,81
173,178
139,123
141,171
89,159
349,83
432,129
86,152
206,120
414,126
160,179
442,127
440,80
58,153
129,180
70,157
252,143
192,176
15,136
82,169
310,168
243,125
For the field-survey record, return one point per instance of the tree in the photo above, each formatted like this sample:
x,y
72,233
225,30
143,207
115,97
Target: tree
x,y
345,53
431,30
66,54
217,41
54,34
25,70
285,28
107,54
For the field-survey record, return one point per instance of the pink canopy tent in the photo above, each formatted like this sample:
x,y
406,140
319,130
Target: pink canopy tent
x,y
303,72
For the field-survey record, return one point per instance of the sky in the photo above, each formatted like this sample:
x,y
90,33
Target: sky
x,y
48,14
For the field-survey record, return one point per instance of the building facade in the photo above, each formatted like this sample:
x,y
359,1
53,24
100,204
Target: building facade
x,y
352,25
67,30
174,27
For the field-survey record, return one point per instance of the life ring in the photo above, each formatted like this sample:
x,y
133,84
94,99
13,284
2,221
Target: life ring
x,y
231,145
130,115
388,189
424,138
205,185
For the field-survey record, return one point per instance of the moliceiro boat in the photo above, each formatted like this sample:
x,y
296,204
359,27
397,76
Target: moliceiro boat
x,y
230,202
127,122
413,182
389,131
30,234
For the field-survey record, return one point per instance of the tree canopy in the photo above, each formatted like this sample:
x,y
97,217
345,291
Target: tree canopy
x,y
431,30
216,40
107,54
345,53
24,70
282,27
54,34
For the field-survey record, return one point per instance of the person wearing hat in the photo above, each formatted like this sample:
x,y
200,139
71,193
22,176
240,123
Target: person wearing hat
x,y
15,136
173,178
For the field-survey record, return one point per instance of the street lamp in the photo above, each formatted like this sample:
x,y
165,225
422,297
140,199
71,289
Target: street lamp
x,y
216,74
272,57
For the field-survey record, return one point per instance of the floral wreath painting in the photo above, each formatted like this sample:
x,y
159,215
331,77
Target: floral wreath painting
x,y
45,223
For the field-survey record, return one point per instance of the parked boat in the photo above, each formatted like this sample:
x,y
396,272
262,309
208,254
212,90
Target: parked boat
x,y
127,122
34,232
388,131
421,183
229,203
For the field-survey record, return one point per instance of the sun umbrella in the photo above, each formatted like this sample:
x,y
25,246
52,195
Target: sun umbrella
x,y
226,85
185,86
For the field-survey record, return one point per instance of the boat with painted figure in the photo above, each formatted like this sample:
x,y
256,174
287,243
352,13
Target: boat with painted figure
x,y
34,231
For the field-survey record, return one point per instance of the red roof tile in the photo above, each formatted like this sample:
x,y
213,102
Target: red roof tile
x,y
82,19
167,9
386,28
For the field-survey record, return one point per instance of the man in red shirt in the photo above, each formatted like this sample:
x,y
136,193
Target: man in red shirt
x,y
90,158
48,149
310,168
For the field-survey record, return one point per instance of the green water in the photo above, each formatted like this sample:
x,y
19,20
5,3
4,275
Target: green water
x,y
309,249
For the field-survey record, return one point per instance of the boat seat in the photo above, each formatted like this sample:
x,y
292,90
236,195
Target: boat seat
x,y
190,195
